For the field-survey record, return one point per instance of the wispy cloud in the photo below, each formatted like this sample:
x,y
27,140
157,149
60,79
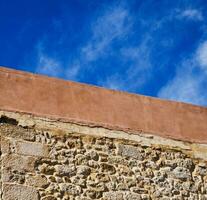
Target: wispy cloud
x,y
112,41
201,56
137,59
191,14
45,64
72,71
113,24
190,81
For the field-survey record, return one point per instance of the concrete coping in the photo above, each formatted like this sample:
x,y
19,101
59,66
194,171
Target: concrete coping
x,y
93,106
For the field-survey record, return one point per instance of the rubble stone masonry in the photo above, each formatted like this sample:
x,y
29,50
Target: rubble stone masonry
x,y
49,160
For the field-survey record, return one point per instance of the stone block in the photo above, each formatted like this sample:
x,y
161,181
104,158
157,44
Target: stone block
x,y
17,132
116,195
70,188
83,171
5,145
10,175
65,170
129,151
32,149
37,181
49,197
18,163
181,173
133,196
19,192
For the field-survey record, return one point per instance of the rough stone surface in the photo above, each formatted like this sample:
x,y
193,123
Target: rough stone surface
x,y
52,165
129,151
32,149
39,181
18,162
19,192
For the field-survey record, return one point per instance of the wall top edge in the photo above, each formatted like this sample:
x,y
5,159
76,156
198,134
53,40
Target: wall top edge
x,y
55,98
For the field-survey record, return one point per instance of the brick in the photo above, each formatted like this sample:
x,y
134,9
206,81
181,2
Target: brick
x,y
19,192
32,149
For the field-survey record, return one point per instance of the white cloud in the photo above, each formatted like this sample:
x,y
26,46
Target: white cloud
x,y
113,82
48,66
185,87
45,64
113,24
190,82
136,75
202,56
192,14
138,71
72,71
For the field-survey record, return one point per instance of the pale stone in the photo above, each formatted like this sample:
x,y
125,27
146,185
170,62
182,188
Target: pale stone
x,y
37,181
82,198
49,197
18,162
26,123
129,151
65,170
83,171
76,180
114,195
181,173
93,155
5,145
32,149
70,188
17,132
19,192
133,196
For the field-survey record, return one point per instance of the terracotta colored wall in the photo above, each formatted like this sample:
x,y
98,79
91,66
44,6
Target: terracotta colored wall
x,y
50,97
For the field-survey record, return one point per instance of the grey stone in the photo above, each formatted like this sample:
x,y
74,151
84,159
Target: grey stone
x,y
181,173
83,171
129,151
65,170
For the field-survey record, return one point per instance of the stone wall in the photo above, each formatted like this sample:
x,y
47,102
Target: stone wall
x,y
44,163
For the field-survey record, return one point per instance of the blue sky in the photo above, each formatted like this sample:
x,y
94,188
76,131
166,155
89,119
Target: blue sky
x,y
149,47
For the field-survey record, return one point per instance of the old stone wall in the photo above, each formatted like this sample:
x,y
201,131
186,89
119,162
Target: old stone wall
x,y
52,164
